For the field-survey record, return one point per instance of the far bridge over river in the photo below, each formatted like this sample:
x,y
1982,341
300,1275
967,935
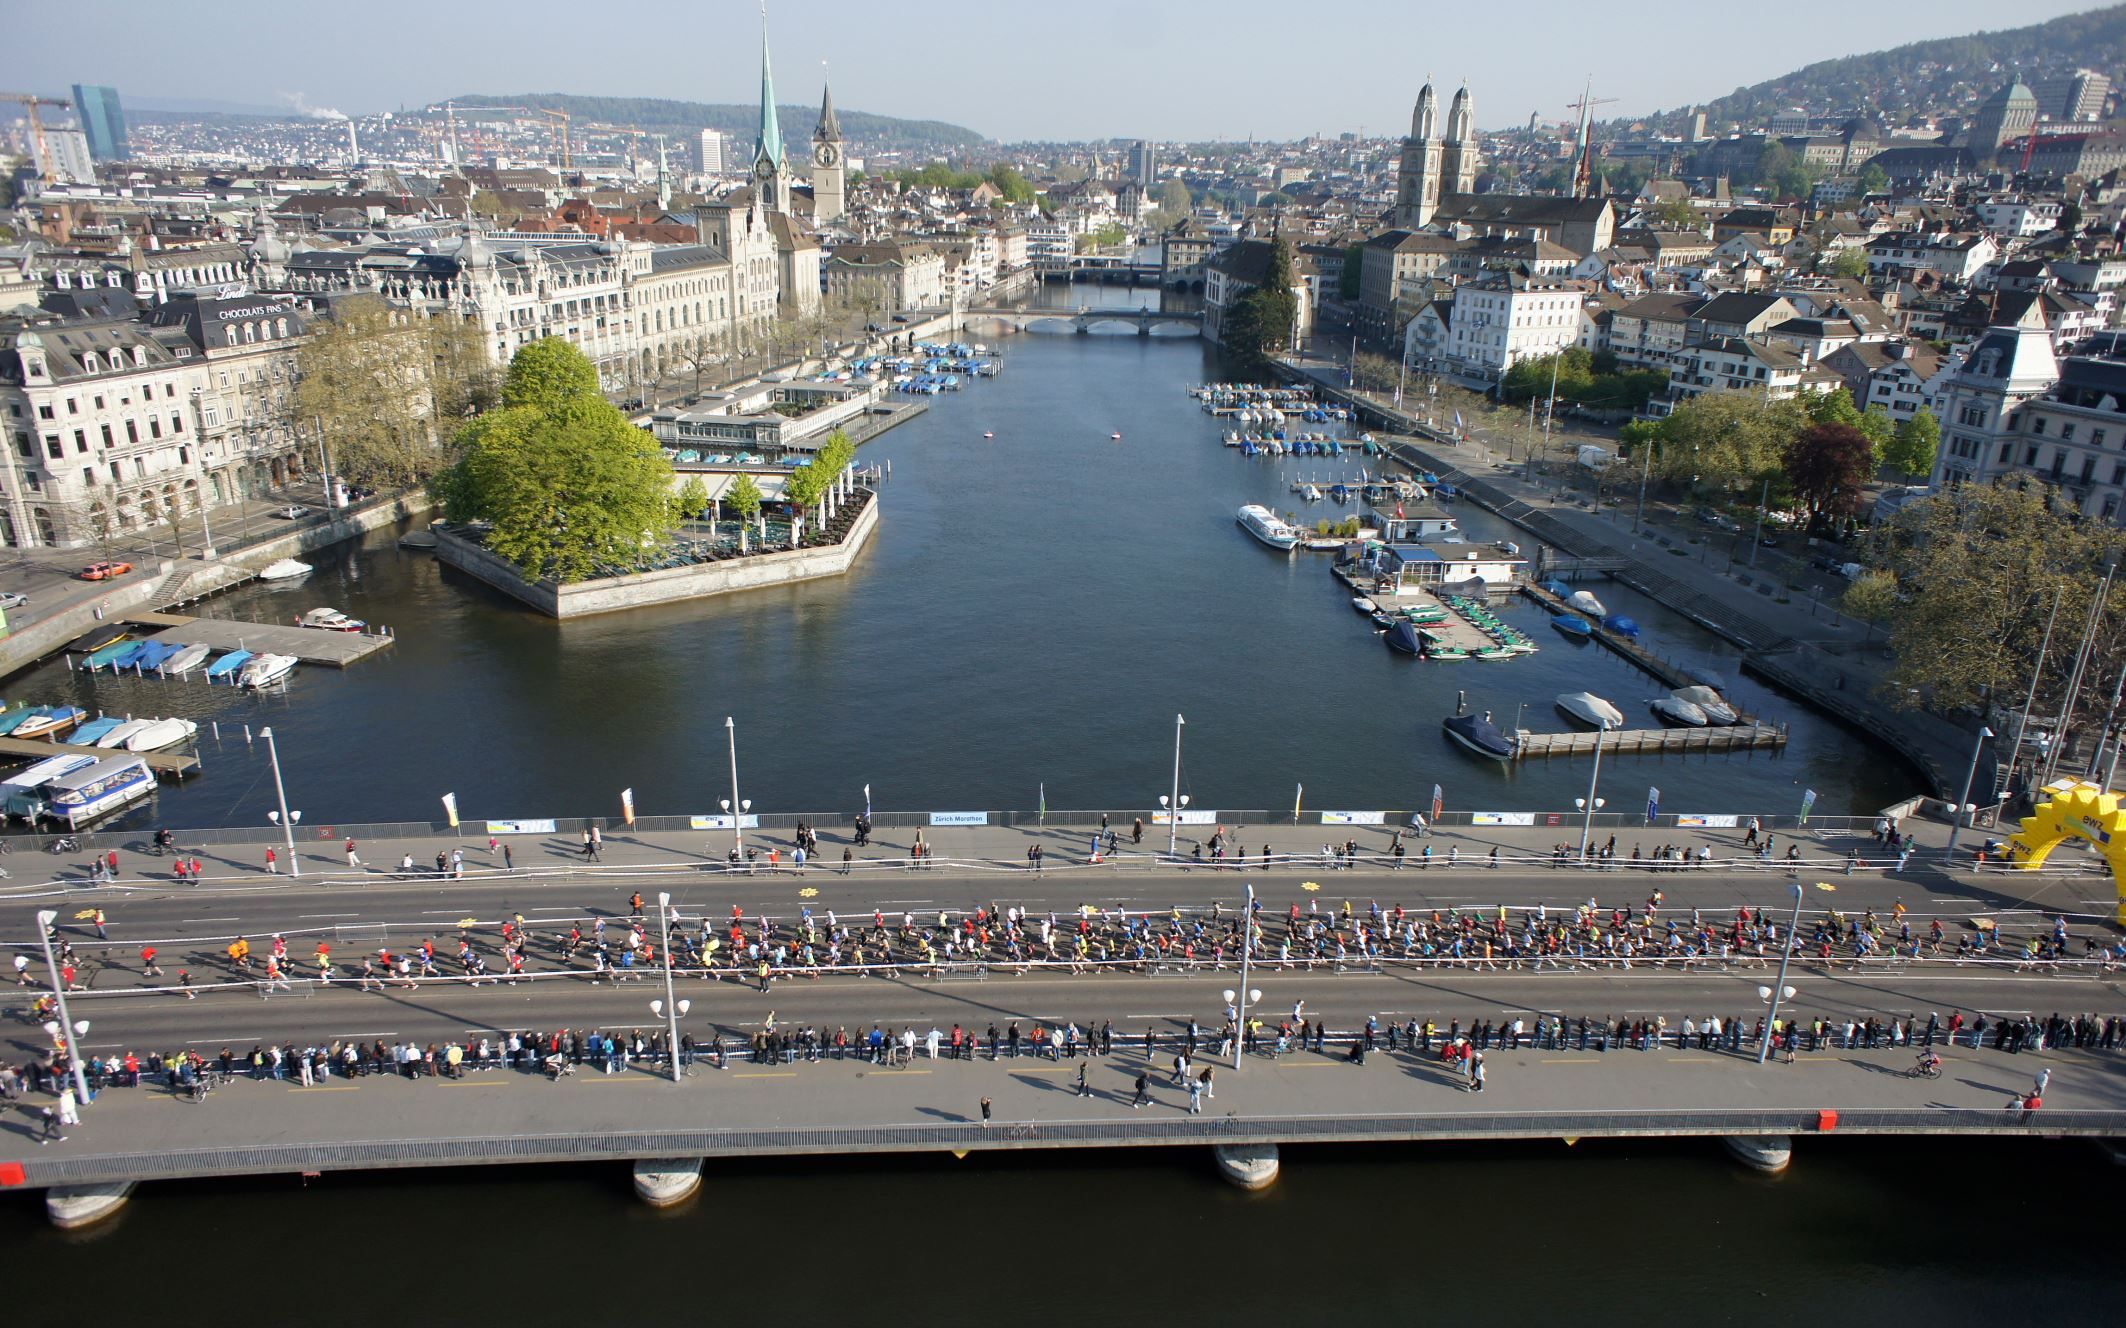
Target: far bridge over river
x,y
1083,322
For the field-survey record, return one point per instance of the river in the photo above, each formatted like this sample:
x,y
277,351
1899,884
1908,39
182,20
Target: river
x,y
1034,611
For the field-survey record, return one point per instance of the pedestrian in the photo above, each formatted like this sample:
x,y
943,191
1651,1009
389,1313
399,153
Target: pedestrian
x,y
112,863
589,849
272,862
2044,1081
148,967
508,862
1144,1090
69,1107
597,842
1476,1074
1084,1089
847,858
492,844
48,1121
985,1113
1195,1097
457,864
101,934
352,859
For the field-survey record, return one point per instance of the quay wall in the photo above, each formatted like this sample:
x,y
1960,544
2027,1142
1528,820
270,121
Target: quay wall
x,y
612,594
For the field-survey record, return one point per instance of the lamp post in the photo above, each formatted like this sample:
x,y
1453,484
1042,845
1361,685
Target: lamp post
x,y
1591,802
1779,990
735,806
1956,822
285,819
670,1008
65,1023
1173,814
1244,996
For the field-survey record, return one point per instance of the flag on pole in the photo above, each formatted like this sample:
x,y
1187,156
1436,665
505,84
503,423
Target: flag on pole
x,y
1439,802
627,805
1299,793
1808,804
1457,421
867,802
1653,804
1044,803
450,808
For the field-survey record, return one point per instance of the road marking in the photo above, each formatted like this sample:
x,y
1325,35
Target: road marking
x,y
1707,1059
765,1074
226,1037
621,1079
328,915
475,1083
325,1088
1182,1015
210,919
1043,1069
1571,1060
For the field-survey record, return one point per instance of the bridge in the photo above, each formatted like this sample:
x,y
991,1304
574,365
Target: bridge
x,y
1146,322
1546,1083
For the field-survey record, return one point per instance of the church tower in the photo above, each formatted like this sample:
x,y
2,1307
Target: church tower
x,y
1417,182
768,186
1458,158
827,164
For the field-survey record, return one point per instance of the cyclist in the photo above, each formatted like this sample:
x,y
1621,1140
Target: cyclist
x,y
1929,1064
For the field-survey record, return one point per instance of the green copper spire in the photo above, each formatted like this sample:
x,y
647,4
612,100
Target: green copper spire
x,y
770,146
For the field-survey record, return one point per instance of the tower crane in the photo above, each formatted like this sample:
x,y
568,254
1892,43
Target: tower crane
x,y
556,123
30,102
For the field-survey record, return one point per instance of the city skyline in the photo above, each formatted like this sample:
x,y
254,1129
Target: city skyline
x,y
1168,80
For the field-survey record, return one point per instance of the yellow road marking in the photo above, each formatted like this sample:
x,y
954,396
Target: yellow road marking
x,y
1043,1069
766,1074
474,1083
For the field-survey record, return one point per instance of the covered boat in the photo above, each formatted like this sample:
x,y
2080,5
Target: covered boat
x,y
1572,624
107,656
1402,639
1627,628
1682,714
1591,710
1717,710
1705,677
228,665
97,638
88,734
161,733
287,569
1478,734
185,660
121,735
1585,602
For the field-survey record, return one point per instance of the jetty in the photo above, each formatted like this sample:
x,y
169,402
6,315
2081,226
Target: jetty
x,y
308,644
179,761
1712,738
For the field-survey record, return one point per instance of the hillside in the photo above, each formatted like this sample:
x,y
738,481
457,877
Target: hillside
x,y
741,121
1945,75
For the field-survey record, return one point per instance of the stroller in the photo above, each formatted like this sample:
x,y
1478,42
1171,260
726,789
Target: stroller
x,y
557,1066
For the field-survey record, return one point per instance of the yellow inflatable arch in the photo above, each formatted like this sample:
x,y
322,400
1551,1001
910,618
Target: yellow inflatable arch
x,y
2074,809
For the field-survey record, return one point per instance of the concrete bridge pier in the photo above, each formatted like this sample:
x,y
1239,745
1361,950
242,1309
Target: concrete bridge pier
x,y
1768,1153
662,1182
1250,1166
71,1207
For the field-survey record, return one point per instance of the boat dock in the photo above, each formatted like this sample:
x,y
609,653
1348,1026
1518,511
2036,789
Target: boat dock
x,y
1669,674
1454,630
1732,737
308,644
170,761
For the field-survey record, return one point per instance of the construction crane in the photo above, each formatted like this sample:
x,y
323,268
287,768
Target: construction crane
x,y
556,122
1583,150
30,102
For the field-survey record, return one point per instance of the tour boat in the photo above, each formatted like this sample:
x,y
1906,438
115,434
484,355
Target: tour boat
x,y
1572,625
99,638
265,670
330,620
1717,711
1586,603
186,660
119,735
54,721
1481,736
228,665
159,734
100,788
1592,710
1680,713
287,569
24,793
1265,525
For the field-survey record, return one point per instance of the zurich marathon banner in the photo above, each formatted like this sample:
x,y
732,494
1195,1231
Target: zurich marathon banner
x,y
520,827
1502,818
959,818
722,821
1354,818
1709,822
1186,818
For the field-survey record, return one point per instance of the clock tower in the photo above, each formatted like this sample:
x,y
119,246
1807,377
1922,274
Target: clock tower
x,y
768,149
828,165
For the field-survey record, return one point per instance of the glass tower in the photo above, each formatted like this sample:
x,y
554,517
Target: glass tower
x,y
103,120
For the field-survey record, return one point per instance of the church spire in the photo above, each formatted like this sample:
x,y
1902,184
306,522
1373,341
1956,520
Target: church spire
x,y
830,125
769,146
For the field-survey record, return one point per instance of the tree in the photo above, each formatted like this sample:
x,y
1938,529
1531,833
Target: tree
x,y
744,498
1850,263
1727,439
1873,179
1677,214
1174,197
1914,444
1872,598
1347,279
1259,325
379,382
2070,218
1827,464
692,499
1011,184
566,484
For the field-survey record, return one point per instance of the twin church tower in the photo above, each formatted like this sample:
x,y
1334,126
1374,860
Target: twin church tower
x,y
774,173
1434,165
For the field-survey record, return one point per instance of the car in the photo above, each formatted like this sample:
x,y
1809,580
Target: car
x,y
292,512
104,571
873,327
11,600
900,318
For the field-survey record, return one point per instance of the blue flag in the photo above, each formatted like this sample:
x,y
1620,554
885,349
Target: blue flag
x,y
1808,804
1653,804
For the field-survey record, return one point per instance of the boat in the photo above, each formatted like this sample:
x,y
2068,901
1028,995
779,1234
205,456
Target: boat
x,y
1265,525
1478,734
88,734
14,718
265,670
186,660
329,619
109,654
1310,493
54,721
1705,677
1571,624
1446,493
426,539
1364,605
1114,437
228,665
1592,710
1448,654
121,735
103,787
1628,628
988,435
1682,714
154,654
161,733
1717,710
1495,652
1585,602
287,569
98,638
1402,639
24,794
1557,588
128,657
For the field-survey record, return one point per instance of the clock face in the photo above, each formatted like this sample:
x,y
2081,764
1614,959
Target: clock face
x,y
763,169
825,154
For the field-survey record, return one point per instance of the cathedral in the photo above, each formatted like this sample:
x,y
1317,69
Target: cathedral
x,y
1433,165
1435,188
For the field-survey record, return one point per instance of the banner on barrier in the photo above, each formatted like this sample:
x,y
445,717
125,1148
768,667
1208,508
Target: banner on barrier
x,y
520,827
722,821
1502,818
959,818
1709,822
1187,818
1354,818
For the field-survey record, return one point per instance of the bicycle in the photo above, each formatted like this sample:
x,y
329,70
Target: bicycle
x,y
1925,1070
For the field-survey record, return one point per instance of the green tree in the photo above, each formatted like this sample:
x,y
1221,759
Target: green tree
x,y
1914,444
692,499
562,478
1259,325
1851,263
1174,197
1872,598
1727,440
1873,179
1677,214
1011,184
379,381
2070,218
744,498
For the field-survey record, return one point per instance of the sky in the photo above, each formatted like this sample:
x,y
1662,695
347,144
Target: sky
x,y
1010,69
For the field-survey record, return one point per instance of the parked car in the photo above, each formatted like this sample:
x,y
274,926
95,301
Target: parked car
x,y
104,571
11,600
292,512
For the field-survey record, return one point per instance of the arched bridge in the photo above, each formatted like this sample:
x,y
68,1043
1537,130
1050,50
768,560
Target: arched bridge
x,y
1083,322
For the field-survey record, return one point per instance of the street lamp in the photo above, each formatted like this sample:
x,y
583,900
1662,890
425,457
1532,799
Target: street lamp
x,y
736,806
1779,990
670,1008
284,818
45,919
1173,817
1245,995
1956,822
1591,803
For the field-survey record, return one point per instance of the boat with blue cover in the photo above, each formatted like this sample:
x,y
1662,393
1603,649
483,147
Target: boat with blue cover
x,y
229,665
1478,734
1572,624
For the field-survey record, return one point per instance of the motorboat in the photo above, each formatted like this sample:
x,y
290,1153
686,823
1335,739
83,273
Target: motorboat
x,y
228,665
426,539
1682,714
14,718
1478,734
103,787
53,721
1717,710
154,654
161,733
1495,652
1557,588
1585,602
1591,710
108,656
23,794
90,733
1364,605
186,660
98,638
1571,624
1114,437
1310,493
265,670
126,657
328,619
1628,628
1402,638
287,569
1705,677
988,434
122,734
1266,526
1446,493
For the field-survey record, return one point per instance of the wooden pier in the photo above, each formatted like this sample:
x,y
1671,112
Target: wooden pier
x,y
1712,738
169,761
308,644
1652,664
